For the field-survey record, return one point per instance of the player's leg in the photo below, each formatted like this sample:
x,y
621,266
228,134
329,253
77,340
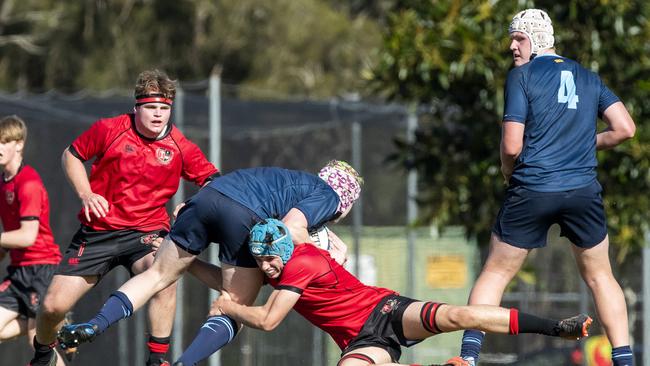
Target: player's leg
x,y
11,325
424,319
30,331
242,284
608,297
160,316
62,294
170,263
584,223
366,356
502,264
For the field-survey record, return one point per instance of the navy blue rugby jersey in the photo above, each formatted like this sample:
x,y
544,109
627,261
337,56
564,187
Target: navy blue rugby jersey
x,y
271,192
559,101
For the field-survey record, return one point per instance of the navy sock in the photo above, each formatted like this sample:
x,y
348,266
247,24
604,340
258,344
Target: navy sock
x,y
622,356
215,333
471,346
117,307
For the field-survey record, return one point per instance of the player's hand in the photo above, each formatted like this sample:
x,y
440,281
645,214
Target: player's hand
x,y
178,208
217,304
155,244
95,203
338,250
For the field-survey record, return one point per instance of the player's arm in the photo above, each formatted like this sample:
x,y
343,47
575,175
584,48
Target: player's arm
x,y
620,127
297,224
265,317
512,142
23,237
207,273
75,171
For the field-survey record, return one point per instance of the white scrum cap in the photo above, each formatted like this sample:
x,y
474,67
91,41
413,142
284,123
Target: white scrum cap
x,y
535,24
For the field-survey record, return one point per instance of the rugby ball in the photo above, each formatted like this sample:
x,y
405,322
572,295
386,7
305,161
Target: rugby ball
x,y
321,238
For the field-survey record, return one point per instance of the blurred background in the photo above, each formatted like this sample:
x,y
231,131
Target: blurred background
x,y
410,92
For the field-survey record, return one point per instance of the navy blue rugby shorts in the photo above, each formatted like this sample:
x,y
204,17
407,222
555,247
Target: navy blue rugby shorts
x,y
211,217
526,216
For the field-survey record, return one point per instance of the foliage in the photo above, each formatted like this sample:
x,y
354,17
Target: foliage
x,y
449,59
307,47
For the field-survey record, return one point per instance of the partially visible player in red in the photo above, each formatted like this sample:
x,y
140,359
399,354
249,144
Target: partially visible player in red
x,y
139,160
26,235
369,324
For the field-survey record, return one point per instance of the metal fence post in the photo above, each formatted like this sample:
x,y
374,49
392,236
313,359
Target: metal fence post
x,y
215,158
646,300
411,215
177,333
357,213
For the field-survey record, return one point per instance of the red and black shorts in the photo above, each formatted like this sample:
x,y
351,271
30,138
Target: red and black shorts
x,y
95,253
383,329
24,287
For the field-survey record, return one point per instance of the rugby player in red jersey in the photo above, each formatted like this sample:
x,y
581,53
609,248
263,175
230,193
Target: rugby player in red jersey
x,y
25,216
369,324
139,160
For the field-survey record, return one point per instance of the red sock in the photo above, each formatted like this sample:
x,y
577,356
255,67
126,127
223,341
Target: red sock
x,y
514,321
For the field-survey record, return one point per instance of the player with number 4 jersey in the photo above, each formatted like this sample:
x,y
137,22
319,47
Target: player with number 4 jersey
x,y
548,159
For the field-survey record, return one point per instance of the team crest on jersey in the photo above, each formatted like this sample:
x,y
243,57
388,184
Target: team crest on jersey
x,y
389,306
10,196
164,156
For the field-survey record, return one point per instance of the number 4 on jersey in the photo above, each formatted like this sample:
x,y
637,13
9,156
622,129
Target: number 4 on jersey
x,y
567,91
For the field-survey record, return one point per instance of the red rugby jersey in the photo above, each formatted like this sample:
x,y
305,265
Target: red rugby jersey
x,y
24,198
331,298
137,175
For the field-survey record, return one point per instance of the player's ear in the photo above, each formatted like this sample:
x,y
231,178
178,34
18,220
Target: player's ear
x,y
20,145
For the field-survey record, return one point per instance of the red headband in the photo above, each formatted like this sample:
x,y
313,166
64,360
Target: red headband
x,y
152,99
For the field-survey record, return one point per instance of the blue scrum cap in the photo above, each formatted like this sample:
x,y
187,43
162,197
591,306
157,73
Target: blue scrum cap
x,y
271,237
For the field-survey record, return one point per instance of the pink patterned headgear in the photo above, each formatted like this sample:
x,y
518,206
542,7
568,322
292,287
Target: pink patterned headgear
x,y
344,180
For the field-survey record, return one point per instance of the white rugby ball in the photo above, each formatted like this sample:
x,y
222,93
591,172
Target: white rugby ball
x,y
321,238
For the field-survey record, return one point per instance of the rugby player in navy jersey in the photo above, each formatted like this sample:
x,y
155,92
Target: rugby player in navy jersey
x,y
139,159
223,212
370,324
548,159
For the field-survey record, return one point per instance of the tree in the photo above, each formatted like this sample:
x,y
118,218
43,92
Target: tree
x,y
449,59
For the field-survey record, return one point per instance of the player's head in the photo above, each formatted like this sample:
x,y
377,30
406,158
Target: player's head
x,y
531,32
13,134
154,95
345,181
271,245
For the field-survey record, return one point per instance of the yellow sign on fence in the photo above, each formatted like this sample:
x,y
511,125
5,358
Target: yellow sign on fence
x,y
446,271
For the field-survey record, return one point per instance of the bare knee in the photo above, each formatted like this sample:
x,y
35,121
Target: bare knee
x,y
52,309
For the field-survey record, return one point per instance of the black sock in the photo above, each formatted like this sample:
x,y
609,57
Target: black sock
x,y
529,323
42,352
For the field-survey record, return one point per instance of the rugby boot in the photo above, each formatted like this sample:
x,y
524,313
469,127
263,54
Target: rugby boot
x,y
73,335
159,362
51,362
69,353
456,361
575,327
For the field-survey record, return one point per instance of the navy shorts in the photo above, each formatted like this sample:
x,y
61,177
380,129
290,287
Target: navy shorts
x,y
210,217
383,328
24,287
526,216
95,252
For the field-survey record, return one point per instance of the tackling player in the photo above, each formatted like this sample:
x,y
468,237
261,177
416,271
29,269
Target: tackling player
x,y
369,324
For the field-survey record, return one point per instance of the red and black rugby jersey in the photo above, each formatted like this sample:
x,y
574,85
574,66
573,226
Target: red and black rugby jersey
x,y
137,175
331,298
24,198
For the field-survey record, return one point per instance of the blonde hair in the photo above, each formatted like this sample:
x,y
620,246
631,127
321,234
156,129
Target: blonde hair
x,y
12,128
155,82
